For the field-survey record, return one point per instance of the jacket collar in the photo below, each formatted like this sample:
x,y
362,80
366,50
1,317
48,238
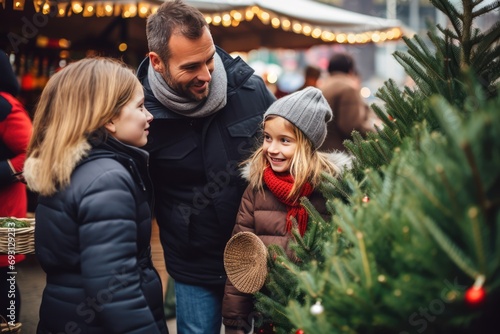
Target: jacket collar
x,y
134,159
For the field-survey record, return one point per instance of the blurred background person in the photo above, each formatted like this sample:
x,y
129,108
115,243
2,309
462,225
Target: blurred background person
x,y
312,74
293,81
15,133
350,112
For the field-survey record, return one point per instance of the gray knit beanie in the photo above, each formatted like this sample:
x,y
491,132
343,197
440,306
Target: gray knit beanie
x,y
308,110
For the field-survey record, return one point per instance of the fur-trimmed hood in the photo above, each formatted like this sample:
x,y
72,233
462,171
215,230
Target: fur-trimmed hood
x,y
338,158
31,165
134,159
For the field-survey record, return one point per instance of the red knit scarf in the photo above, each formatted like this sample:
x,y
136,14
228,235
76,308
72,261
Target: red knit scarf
x,y
281,186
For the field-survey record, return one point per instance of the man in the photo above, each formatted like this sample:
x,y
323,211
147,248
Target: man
x,y
208,110
350,112
311,76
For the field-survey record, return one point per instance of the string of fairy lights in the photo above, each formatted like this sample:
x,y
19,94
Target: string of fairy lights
x,y
233,18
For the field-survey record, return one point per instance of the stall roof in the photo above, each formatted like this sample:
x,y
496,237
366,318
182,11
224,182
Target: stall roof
x,y
247,24
308,11
237,25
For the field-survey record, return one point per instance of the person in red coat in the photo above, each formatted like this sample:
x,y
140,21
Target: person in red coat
x,y
15,133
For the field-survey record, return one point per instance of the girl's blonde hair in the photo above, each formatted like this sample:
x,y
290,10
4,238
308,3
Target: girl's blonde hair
x,y
306,166
76,104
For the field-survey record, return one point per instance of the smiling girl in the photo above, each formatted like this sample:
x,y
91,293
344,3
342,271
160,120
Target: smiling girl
x,y
286,167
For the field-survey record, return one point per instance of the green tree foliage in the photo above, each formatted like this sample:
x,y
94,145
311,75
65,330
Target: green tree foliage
x,y
405,260
436,70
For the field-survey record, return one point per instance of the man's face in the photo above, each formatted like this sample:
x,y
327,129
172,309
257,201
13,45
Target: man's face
x,y
189,69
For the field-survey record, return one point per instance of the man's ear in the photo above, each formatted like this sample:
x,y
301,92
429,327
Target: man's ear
x,y
110,126
156,62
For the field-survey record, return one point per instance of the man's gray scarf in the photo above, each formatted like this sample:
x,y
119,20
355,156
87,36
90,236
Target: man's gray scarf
x,y
215,101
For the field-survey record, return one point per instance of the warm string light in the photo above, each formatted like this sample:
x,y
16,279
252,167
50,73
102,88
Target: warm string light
x,y
234,17
18,4
90,8
227,19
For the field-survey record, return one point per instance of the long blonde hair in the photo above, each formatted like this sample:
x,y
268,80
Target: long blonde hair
x,y
76,103
306,166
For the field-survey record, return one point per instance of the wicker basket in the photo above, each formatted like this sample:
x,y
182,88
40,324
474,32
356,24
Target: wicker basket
x,y
245,261
24,238
5,327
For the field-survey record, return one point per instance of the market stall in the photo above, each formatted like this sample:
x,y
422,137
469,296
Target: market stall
x,y
243,25
237,25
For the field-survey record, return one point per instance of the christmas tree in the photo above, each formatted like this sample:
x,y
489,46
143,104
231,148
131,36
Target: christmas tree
x,y
413,244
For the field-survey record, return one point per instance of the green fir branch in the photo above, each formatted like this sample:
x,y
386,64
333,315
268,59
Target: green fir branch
x,y
487,41
423,189
449,119
448,188
391,137
480,193
364,259
446,33
308,284
449,247
446,7
425,59
334,184
382,115
486,9
339,271
477,237
347,265
415,71
395,101
451,13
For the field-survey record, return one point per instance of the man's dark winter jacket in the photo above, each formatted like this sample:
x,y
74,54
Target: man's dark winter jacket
x,y
92,239
194,164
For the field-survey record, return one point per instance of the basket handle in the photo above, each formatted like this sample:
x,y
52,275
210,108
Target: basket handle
x,y
9,329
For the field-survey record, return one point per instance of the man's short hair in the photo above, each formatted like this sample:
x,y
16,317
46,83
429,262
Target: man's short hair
x,y
173,17
312,72
341,62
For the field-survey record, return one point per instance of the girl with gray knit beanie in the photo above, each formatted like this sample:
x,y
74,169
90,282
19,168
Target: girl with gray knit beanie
x,y
286,167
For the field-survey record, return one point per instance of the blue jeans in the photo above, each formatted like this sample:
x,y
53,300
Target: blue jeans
x,y
198,308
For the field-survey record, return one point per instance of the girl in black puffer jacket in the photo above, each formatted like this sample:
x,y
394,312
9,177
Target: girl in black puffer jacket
x,y
93,219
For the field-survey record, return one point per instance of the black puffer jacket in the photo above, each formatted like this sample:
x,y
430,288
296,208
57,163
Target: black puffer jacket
x,y
194,165
92,239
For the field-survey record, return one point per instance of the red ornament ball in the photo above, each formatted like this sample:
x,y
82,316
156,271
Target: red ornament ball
x,y
299,331
474,295
366,199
